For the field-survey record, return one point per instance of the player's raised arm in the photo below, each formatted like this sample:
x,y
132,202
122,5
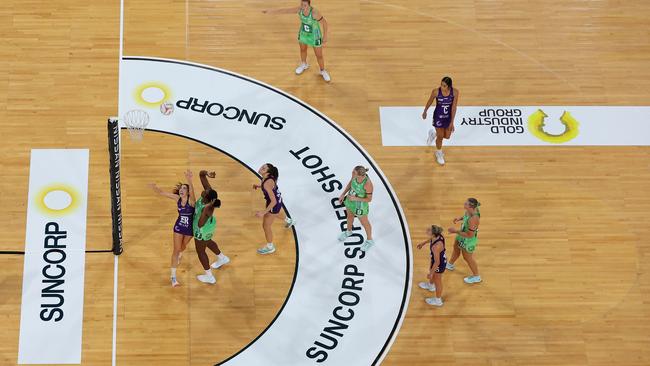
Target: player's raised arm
x,y
204,175
291,10
157,189
192,197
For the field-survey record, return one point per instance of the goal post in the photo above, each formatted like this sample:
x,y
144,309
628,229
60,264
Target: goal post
x,y
114,154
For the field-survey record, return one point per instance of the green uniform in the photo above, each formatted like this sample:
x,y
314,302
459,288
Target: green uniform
x,y
205,232
309,33
359,190
469,244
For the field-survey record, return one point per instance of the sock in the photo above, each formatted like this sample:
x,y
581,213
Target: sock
x,y
439,151
348,232
221,256
173,272
208,272
269,245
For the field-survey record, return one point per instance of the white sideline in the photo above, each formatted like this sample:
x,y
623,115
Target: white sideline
x,y
115,309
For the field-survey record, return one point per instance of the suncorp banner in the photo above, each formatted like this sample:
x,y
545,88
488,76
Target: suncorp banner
x,y
51,316
345,306
522,126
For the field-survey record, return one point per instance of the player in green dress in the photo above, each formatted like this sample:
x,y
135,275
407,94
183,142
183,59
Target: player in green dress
x,y
309,35
467,239
356,197
204,224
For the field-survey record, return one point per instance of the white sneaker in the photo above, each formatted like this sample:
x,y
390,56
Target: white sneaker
x,y
473,279
344,235
450,266
435,301
220,262
266,250
301,68
289,222
427,286
367,245
440,158
431,136
174,282
207,279
325,75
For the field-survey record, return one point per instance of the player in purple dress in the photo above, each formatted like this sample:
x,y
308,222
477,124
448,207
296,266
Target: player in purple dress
x,y
273,198
183,194
446,97
438,263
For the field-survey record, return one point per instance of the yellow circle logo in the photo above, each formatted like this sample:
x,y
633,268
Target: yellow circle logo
x,y
152,94
536,127
57,199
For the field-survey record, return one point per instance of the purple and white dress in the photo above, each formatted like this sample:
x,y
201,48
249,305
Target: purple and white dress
x,y
183,223
442,113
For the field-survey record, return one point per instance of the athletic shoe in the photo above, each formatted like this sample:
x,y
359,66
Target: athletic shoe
x,y
450,266
367,245
431,137
472,279
174,282
427,286
266,250
435,301
207,279
289,222
344,235
440,158
325,75
301,68
220,262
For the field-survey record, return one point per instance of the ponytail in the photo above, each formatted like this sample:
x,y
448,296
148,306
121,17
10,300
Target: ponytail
x,y
177,187
273,171
212,195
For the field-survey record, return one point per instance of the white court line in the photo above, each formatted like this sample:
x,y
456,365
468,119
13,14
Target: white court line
x,y
121,29
187,29
116,266
115,270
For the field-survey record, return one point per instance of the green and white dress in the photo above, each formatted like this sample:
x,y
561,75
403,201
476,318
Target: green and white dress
x,y
357,189
469,244
207,230
310,33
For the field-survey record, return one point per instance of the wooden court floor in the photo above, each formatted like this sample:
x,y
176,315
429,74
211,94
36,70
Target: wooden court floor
x,y
563,250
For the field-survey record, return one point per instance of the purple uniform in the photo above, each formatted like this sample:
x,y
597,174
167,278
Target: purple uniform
x,y
442,264
278,197
442,113
183,223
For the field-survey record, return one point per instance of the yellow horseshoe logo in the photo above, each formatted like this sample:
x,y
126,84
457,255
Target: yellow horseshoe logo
x,y
57,199
151,94
536,127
